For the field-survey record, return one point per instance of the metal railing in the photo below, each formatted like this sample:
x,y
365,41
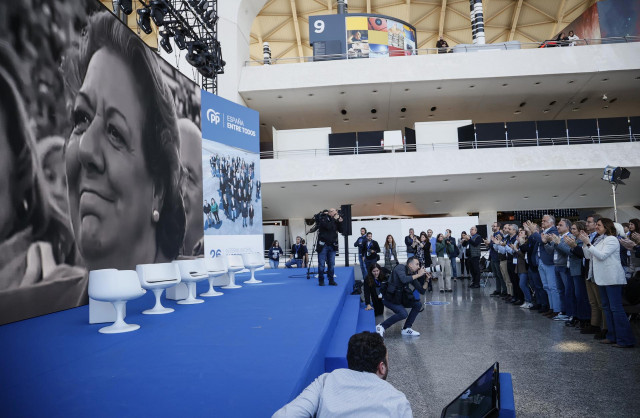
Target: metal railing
x,y
463,48
464,145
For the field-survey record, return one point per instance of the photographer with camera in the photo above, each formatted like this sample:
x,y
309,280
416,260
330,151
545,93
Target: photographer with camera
x,y
473,242
400,294
328,224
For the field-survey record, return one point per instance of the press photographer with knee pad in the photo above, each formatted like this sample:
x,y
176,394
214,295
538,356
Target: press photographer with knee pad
x,y
328,224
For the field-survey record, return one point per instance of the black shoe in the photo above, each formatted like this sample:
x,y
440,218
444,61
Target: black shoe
x,y
590,330
600,335
543,310
441,291
535,307
517,302
474,286
504,294
332,283
495,293
449,291
571,323
321,283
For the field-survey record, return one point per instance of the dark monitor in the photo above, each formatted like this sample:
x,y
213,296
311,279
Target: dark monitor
x,y
481,399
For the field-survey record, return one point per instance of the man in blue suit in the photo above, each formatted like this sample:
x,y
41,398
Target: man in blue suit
x,y
542,301
546,267
494,261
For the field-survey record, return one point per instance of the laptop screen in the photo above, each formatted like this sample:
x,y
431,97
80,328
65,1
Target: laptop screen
x,y
480,399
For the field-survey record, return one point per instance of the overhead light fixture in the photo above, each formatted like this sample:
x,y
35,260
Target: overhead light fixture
x,y
179,37
158,11
144,20
126,7
165,42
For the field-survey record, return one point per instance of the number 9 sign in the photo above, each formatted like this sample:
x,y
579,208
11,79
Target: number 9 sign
x,y
319,26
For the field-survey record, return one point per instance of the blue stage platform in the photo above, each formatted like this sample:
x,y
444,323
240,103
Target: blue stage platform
x,y
244,354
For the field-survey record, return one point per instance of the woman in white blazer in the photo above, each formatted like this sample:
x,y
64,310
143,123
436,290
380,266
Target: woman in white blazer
x,y
608,274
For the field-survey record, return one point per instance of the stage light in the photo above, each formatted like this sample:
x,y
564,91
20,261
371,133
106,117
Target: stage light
x,y
209,18
126,7
202,6
144,20
615,175
179,38
165,42
196,54
158,11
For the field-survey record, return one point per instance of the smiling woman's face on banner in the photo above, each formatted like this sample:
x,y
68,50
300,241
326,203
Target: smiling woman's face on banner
x,y
104,160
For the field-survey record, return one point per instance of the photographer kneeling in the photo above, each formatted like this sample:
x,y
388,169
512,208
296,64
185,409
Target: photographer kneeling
x,y
328,223
399,295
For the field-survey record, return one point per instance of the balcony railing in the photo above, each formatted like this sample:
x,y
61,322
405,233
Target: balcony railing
x,y
459,49
503,143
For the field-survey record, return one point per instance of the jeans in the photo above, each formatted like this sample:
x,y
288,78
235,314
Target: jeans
x,y
501,286
274,263
567,293
524,286
363,268
619,329
401,313
244,221
540,293
326,255
548,277
582,309
296,261
454,268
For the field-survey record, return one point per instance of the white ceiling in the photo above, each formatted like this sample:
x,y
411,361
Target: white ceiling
x,y
490,100
457,195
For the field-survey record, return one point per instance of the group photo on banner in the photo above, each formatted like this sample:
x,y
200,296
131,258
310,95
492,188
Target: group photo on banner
x,y
232,200
100,155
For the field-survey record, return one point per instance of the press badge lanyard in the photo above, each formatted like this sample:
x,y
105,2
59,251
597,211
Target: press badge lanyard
x,y
297,248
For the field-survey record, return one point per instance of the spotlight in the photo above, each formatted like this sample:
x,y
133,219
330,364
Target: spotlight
x,y
126,7
202,6
209,18
615,175
196,54
165,43
179,38
144,20
158,11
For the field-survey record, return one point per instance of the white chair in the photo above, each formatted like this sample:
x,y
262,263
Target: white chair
x,y
216,267
253,261
234,265
191,272
117,287
157,277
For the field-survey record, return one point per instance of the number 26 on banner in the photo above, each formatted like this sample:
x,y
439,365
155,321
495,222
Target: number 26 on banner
x,y
319,26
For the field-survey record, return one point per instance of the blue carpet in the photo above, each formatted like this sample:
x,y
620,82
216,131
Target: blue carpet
x,y
244,354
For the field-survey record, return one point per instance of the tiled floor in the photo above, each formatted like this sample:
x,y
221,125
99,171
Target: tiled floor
x,y
557,372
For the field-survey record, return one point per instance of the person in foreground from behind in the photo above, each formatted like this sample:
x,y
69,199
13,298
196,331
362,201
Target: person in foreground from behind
x,y
360,390
400,294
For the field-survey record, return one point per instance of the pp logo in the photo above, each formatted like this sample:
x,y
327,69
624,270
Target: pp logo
x,y
213,116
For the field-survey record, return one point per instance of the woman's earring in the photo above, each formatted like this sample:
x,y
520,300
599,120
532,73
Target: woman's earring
x,y
155,215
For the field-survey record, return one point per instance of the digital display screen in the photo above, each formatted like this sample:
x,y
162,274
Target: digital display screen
x,y
478,400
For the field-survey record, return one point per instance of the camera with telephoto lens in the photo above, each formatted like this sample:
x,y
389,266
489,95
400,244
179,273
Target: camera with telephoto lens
x,y
433,269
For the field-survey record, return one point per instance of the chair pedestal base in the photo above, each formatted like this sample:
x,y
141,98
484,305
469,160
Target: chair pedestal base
x,y
158,309
211,292
117,329
191,298
119,326
232,281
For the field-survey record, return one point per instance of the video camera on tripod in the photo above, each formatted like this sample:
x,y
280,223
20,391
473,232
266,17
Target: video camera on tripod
x,y
321,216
